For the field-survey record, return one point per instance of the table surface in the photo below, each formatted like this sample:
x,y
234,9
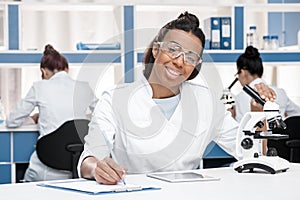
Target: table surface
x,y
232,185
26,128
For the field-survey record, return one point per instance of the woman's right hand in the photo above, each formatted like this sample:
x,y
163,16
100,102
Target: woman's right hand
x,y
107,171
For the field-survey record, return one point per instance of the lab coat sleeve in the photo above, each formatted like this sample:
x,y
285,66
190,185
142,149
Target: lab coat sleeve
x,y
102,122
92,106
290,107
25,106
242,105
226,138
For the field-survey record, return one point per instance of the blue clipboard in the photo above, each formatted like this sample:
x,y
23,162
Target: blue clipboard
x,y
94,188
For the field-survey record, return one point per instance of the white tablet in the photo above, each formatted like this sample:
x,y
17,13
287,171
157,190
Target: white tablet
x,y
181,176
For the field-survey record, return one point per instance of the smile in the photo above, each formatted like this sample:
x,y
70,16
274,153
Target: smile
x,y
173,72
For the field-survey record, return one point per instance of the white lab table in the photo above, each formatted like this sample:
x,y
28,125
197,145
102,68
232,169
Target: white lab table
x,y
232,185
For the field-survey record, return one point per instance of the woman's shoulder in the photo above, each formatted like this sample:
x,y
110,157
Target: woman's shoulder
x,y
39,83
123,90
115,88
281,94
195,85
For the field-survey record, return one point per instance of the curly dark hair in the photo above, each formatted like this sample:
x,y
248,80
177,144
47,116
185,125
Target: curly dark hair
x,y
186,22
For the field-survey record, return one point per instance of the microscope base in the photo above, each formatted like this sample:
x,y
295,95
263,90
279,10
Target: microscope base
x,y
271,164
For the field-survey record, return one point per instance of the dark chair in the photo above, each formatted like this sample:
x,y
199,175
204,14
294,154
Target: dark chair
x,y
289,149
61,148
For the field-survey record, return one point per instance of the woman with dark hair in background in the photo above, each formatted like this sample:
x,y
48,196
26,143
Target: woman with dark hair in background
x,y
250,70
58,98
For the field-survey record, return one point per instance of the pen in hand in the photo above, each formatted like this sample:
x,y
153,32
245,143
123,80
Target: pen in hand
x,y
114,158
123,178
110,148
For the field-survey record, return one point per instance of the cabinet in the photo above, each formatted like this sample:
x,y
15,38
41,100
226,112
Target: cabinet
x,y
242,15
16,147
31,26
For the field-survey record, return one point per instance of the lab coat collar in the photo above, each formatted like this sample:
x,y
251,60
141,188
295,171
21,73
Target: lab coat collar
x,y
59,74
184,110
146,83
256,81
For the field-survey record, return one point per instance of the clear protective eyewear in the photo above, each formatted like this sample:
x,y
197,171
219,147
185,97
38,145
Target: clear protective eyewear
x,y
174,50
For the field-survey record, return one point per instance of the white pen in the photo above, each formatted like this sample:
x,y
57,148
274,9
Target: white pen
x,y
110,148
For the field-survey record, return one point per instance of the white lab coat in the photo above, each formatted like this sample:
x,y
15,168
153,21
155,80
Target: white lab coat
x,y
145,141
58,99
243,102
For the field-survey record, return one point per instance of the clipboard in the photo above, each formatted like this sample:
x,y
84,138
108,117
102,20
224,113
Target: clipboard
x,y
94,188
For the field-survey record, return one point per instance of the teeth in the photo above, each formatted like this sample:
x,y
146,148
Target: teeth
x,y
175,73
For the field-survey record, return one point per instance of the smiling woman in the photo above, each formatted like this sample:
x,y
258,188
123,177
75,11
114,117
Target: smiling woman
x,y
161,122
170,70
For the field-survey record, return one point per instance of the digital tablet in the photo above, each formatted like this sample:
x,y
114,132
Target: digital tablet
x,y
181,176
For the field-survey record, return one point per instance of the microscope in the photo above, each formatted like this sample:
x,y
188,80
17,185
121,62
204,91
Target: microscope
x,y
227,97
249,140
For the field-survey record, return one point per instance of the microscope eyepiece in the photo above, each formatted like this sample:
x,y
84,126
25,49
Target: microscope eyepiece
x,y
254,94
233,82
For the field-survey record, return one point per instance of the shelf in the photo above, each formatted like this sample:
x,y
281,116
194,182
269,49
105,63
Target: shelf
x,y
128,16
72,57
66,7
232,55
273,7
95,57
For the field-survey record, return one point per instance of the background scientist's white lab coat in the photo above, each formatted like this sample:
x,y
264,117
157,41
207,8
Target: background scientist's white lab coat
x,y
58,99
145,141
243,102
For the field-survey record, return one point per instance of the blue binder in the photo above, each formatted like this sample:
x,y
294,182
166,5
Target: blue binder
x,y
212,29
95,46
225,32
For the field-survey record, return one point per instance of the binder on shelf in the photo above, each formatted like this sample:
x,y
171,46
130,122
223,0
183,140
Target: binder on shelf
x,y
95,46
225,32
212,29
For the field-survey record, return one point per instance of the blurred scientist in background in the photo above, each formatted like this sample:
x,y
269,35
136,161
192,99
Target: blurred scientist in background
x,y
250,70
58,98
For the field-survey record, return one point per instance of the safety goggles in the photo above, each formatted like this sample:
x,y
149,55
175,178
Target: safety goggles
x,y
174,50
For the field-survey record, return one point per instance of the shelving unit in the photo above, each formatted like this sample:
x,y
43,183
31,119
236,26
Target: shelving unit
x,y
134,42
265,15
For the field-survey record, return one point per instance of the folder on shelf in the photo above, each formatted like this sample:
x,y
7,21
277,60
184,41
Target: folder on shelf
x,y
225,32
92,187
95,46
212,29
